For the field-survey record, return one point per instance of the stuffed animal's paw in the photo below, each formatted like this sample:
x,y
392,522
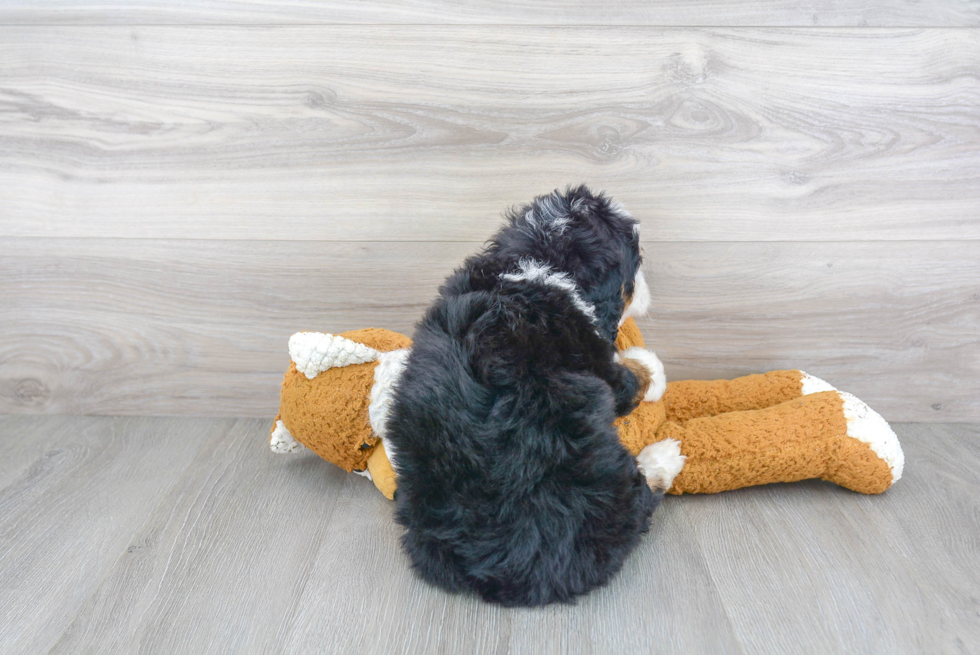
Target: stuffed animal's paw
x,y
650,361
867,425
811,384
282,441
863,424
660,463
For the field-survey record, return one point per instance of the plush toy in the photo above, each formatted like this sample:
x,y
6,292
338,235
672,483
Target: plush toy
x,y
780,426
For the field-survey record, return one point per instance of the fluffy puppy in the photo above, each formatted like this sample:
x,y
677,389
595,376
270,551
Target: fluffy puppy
x,y
512,481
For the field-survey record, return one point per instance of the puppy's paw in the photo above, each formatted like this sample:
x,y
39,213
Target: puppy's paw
x,y
637,357
660,463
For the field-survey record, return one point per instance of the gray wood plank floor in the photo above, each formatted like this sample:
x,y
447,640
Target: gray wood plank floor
x,y
123,535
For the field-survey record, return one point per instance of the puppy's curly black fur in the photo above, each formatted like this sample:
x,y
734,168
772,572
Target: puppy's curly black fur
x,y
512,481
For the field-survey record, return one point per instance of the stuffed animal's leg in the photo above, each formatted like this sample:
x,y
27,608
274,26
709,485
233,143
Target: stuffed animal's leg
x,y
830,435
689,399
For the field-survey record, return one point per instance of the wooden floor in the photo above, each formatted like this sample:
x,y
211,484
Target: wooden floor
x,y
182,535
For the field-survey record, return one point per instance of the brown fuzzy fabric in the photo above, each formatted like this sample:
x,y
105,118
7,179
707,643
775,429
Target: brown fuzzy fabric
x,y
853,465
382,474
799,439
329,414
735,433
629,335
752,430
699,398
638,429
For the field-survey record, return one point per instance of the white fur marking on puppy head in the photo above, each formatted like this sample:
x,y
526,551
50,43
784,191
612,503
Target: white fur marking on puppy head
x,y
811,384
550,207
640,304
549,213
282,441
533,271
867,425
315,352
660,463
561,224
650,361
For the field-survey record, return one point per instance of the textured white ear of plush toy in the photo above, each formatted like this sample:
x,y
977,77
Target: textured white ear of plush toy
x,y
315,352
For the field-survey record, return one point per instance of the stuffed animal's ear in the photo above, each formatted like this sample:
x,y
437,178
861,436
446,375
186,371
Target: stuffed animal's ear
x,y
315,352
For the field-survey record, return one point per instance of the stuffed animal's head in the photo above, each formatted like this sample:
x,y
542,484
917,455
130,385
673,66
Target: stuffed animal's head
x,y
336,395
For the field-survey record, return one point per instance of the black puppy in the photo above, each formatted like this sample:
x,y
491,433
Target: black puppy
x,y
512,481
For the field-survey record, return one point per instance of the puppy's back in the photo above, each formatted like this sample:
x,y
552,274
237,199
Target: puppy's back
x,y
512,481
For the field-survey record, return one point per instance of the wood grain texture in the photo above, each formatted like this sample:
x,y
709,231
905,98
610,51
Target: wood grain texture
x,y
551,12
653,589
182,327
427,132
866,574
897,324
942,539
19,454
68,516
244,551
254,552
221,564
150,327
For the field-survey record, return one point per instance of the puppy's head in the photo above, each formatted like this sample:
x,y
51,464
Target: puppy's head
x,y
592,240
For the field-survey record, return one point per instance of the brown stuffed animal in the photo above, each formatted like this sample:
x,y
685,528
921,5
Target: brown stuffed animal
x,y
701,436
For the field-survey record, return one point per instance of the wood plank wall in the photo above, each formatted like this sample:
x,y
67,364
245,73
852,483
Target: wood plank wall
x,y
185,184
